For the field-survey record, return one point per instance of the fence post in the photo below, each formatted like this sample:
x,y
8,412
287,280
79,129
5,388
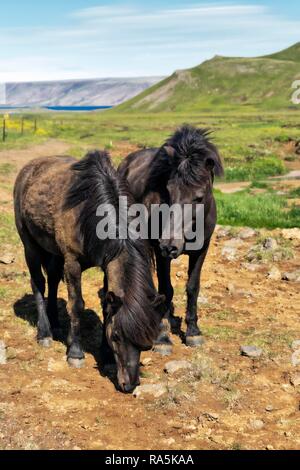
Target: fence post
x,y
4,131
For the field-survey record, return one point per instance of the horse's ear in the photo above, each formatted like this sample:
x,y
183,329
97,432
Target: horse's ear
x,y
170,151
114,301
209,164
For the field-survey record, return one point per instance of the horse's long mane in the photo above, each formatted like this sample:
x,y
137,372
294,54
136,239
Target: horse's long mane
x,y
141,322
192,147
97,182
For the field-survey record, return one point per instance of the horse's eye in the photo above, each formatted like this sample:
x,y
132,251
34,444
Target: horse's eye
x,y
198,200
115,338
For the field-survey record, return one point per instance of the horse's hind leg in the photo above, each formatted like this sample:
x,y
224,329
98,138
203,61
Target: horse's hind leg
x,y
34,263
55,274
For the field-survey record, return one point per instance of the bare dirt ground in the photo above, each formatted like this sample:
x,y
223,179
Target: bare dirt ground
x,y
226,401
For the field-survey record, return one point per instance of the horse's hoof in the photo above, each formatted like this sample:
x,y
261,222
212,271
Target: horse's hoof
x,y
45,342
163,349
194,341
76,363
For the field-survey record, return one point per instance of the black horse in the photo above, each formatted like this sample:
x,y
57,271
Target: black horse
x,y
180,172
56,202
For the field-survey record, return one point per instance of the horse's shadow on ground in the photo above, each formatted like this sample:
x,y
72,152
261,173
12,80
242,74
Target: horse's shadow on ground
x,y
91,333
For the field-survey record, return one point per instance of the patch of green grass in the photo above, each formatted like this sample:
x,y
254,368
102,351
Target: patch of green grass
x,y
222,333
266,210
3,293
223,315
260,184
7,169
258,169
236,446
8,232
77,151
294,193
270,340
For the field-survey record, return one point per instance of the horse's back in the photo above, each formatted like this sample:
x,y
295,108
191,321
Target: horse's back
x,y
39,194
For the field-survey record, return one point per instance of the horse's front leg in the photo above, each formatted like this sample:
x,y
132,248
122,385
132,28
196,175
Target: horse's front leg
x,y
105,350
193,334
163,344
75,307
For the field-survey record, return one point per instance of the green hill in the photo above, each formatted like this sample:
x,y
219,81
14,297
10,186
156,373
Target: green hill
x,y
225,82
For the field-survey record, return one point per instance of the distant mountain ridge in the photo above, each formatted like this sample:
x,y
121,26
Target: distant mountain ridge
x,y
93,92
225,82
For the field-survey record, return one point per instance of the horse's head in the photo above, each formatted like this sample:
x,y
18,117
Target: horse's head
x,y
192,161
133,310
126,342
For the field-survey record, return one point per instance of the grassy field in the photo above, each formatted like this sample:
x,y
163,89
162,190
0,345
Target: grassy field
x,y
253,148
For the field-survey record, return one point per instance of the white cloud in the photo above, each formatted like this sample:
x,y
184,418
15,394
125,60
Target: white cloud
x,y
128,41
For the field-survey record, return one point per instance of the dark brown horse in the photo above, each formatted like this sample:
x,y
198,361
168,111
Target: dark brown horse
x,y
180,172
56,202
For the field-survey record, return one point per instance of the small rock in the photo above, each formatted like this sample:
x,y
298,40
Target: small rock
x,y
172,367
231,288
295,359
7,258
256,424
269,408
211,416
229,253
251,266
270,244
3,359
56,366
291,233
146,361
295,379
296,344
251,351
274,274
156,390
207,284
169,441
269,447
218,439
202,300
234,243
11,353
223,231
246,232
292,277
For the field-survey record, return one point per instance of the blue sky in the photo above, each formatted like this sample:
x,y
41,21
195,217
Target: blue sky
x,y
100,38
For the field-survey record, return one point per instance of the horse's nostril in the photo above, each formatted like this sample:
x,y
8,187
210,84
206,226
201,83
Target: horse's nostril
x,y
173,251
169,251
128,388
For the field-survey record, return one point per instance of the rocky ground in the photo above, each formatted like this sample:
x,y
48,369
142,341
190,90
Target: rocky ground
x,y
240,390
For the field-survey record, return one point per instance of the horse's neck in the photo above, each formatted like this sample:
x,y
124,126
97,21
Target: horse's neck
x,y
115,275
